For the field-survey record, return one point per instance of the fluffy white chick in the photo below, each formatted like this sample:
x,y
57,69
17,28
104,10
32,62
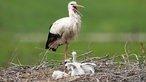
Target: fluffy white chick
x,y
59,74
75,68
89,68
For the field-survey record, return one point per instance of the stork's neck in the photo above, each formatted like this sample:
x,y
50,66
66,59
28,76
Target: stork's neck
x,y
74,59
74,15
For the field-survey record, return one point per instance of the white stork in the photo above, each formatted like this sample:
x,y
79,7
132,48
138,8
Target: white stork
x,y
87,67
59,74
65,29
75,68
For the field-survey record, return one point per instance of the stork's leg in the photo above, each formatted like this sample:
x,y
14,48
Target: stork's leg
x,y
65,54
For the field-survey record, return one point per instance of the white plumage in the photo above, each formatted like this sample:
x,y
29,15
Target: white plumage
x,y
65,29
68,60
89,68
74,56
59,74
75,68
80,68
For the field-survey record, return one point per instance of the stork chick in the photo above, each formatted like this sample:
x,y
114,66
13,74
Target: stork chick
x,y
88,68
59,74
75,69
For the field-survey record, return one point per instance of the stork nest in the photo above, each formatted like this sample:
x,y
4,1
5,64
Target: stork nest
x,y
106,71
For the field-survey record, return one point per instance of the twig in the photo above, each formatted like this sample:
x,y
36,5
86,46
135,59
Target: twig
x,y
14,64
42,64
19,61
123,58
126,53
86,53
44,56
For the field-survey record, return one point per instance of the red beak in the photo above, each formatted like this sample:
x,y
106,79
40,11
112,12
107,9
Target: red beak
x,y
76,10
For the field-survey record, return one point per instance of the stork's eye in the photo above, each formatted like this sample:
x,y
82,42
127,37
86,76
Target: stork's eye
x,y
72,4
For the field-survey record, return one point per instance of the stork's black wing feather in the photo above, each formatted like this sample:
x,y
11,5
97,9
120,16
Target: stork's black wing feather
x,y
51,38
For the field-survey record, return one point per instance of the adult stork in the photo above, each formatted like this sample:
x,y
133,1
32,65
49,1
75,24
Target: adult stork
x,y
65,29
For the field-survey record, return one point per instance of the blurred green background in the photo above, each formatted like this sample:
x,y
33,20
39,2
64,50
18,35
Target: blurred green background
x,y
106,27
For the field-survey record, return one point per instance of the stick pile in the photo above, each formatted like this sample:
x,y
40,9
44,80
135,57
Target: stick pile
x,y
106,71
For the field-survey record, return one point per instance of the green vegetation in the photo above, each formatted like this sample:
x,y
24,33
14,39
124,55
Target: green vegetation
x,y
31,16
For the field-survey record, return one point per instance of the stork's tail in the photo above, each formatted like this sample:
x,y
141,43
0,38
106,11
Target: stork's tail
x,y
52,41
